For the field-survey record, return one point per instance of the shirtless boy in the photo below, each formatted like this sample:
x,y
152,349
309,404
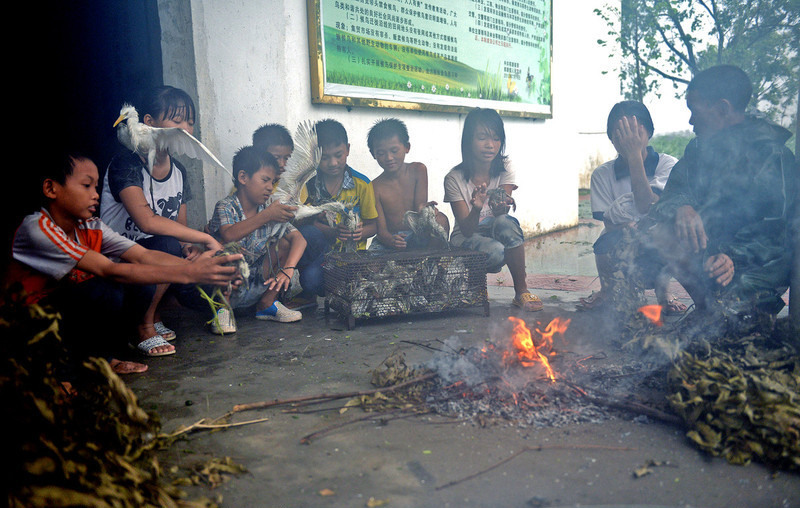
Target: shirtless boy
x,y
402,187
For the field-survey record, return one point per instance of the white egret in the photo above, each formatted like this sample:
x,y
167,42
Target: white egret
x,y
146,140
302,165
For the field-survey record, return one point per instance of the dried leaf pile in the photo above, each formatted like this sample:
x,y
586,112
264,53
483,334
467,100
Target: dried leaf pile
x,y
91,445
394,371
741,398
213,472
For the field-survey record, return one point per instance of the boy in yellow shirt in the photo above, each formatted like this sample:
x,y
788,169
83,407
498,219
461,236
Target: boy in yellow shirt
x,y
334,181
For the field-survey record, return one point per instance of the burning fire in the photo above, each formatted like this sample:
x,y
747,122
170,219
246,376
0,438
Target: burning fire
x,y
653,313
528,352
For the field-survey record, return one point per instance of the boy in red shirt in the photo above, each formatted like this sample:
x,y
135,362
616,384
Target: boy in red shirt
x,y
67,257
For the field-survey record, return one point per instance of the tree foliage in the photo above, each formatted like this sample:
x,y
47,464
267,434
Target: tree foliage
x,y
673,143
671,40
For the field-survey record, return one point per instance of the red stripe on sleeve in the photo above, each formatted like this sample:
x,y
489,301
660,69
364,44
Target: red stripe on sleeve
x,y
59,238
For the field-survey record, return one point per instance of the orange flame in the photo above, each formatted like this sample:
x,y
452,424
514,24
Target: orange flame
x,y
555,326
653,313
529,353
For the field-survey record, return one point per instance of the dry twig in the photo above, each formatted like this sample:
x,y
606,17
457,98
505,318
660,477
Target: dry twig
x,y
532,449
334,396
383,418
203,425
633,407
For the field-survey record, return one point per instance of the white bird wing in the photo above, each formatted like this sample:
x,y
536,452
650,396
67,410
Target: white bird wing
x,y
301,166
304,211
179,142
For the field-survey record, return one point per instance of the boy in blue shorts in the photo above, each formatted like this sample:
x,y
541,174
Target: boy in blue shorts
x,y
251,217
334,181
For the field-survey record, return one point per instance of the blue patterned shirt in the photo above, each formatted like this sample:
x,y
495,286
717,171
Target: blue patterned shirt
x,y
229,211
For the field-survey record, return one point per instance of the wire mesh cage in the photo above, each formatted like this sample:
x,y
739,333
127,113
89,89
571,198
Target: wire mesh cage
x,y
365,284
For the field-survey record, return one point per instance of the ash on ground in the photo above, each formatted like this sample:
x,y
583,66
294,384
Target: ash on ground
x,y
474,384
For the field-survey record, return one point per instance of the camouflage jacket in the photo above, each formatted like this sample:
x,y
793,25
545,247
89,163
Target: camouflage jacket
x,y
743,183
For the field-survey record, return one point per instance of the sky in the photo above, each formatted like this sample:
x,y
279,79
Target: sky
x,y
669,114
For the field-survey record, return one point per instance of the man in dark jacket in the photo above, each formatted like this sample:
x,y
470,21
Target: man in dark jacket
x,y
724,218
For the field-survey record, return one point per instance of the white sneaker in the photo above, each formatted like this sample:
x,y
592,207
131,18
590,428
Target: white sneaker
x,y
277,312
225,322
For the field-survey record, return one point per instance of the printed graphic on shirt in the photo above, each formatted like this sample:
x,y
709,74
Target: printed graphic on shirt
x,y
165,197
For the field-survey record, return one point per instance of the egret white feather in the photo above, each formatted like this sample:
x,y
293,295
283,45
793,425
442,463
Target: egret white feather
x,y
300,168
302,165
146,140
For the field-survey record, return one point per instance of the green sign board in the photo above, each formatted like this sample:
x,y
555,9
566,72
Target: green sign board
x,y
440,55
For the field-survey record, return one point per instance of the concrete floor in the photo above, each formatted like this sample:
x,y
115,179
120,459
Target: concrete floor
x,y
402,461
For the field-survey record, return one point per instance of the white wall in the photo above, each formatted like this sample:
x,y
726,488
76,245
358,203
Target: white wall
x,y
251,60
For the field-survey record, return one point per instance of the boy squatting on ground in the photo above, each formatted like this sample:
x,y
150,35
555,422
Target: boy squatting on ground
x,y
62,256
273,247
402,187
334,181
624,189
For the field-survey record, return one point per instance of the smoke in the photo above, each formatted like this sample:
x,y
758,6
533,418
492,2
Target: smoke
x,y
452,366
486,364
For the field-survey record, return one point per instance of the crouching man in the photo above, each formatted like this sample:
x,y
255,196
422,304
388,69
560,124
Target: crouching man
x,y
723,222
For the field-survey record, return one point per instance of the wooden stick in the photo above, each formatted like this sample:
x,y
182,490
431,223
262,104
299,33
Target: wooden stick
x,y
532,449
637,408
309,437
626,406
334,396
202,425
378,416
419,344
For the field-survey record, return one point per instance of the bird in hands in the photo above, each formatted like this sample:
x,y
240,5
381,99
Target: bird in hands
x,y
424,225
146,140
302,165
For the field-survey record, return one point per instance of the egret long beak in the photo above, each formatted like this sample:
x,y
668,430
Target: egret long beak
x,y
121,118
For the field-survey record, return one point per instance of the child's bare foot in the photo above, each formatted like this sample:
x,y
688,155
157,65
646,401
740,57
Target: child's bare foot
x,y
125,367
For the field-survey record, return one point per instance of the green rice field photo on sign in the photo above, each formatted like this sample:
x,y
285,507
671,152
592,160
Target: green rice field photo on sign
x,y
441,55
